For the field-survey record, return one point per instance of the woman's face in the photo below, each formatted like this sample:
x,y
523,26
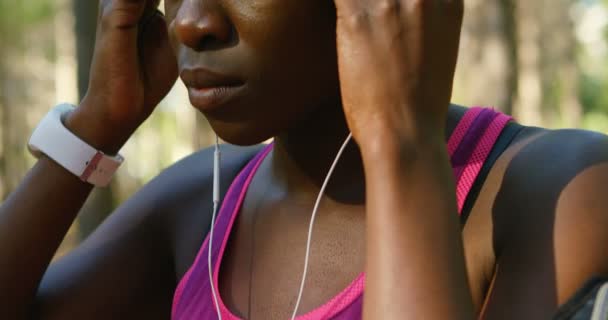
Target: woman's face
x,y
255,67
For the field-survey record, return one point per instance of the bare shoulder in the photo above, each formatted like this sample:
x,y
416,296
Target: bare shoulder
x,y
190,178
182,197
549,220
141,248
551,164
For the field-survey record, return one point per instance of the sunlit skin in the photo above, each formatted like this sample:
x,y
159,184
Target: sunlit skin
x,y
307,73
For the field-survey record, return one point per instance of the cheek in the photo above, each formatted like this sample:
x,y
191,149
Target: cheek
x,y
260,23
292,47
290,35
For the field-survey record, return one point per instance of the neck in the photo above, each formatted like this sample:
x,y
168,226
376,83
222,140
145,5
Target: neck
x,y
302,157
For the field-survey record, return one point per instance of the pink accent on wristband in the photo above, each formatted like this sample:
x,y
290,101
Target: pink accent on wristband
x,y
91,166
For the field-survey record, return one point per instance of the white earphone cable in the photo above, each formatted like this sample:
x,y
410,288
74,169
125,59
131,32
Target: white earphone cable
x,y
312,222
216,201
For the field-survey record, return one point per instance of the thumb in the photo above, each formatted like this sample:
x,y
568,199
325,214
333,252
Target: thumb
x,y
160,68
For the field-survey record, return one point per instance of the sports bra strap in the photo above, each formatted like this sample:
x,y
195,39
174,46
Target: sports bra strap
x,y
470,144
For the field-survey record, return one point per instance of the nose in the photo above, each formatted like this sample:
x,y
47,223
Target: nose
x,y
201,25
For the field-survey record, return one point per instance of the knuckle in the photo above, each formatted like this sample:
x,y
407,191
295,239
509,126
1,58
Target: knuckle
x,y
417,6
106,19
357,21
388,8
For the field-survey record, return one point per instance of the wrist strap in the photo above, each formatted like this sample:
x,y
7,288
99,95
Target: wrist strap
x,y
54,140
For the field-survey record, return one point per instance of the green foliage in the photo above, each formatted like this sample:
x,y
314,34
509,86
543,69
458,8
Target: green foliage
x,y
594,94
17,16
26,11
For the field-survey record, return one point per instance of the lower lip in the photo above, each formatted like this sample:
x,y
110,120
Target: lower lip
x,y
207,99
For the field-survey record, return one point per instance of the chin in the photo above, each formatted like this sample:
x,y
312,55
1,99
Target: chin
x,y
241,134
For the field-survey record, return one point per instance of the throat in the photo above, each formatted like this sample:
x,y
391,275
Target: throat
x,y
301,159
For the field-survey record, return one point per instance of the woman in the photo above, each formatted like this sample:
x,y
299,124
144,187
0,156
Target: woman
x,y
531,202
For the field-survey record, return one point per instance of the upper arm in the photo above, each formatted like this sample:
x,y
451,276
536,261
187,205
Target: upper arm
x,y
125,269
581,230
550,224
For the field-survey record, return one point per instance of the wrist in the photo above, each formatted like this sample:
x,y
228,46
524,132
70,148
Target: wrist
x,y
405,158
53,139
405,128
401,144
95,131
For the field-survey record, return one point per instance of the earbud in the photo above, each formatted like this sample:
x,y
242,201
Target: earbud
x,y
216,171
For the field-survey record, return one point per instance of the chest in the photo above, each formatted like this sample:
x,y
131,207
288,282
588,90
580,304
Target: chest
x,y
262,266
263,262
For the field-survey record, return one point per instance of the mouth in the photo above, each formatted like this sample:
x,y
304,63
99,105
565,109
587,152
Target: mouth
x,y
208,90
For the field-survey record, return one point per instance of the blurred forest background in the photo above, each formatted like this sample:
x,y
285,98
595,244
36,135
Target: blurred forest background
x,y
543,61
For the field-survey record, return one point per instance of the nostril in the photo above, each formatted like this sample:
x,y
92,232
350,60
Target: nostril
x,y
213,42
209,42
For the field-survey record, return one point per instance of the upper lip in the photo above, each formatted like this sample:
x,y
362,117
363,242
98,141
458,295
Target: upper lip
x,y
203,78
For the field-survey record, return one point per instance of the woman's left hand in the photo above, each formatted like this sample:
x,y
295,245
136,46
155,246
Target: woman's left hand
x,y
396,61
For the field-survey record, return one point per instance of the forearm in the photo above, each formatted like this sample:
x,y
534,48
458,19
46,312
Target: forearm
x,y
33,221
415,260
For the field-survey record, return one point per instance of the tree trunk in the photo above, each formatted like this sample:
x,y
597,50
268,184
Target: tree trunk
x,y
529,98
561,73
509,35
14,100
487,73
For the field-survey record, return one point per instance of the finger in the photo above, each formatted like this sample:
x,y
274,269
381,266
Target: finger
x,y
149,4
346,9
152,5
446,9
122,14
159,65
454,5
388,16
149,15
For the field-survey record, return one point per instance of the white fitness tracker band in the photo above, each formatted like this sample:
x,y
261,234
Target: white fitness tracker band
x,y
54,140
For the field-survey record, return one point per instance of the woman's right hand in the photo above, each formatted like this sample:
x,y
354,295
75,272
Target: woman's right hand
x,y
133,69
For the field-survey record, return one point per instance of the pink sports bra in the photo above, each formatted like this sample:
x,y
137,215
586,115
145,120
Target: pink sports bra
x,y
468,146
